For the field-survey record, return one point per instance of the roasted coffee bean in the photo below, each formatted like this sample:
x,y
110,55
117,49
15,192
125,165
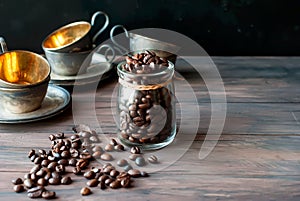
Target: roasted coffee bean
x,y
27,176
66,180
17,181
85,134
65,154
103,178
107,169
97,148
33,157
82,163
85,191
28,183
54,181
45,162
74,153
140,161
126,182
113,142
102,185
122,162
108,181
47,176
119,147
41,152
41,173
89,174
18,188
55,175
114,173
77,171
144,174
106,157
152,159
52,165
35,192
42,182
115,184
75,136
60,135
85,155
97,154
123,175
38,160
109,147
134,173
72,162
31,153
60,169
92,183
63,162
48,194
135,150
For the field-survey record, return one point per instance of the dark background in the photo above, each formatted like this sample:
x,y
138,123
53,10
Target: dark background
x,y
221,27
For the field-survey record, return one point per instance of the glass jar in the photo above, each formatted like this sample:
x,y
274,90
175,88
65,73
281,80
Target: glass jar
x,y
146,114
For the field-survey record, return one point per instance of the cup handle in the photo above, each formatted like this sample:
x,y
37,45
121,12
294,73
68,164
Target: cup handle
x,y
3,45
104,26
119,47
109,48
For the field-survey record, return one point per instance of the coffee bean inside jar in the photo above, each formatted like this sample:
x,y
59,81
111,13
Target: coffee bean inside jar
x,y
146,101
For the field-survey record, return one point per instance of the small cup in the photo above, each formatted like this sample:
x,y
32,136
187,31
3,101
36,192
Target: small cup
x,y
74,37
138,43
71,63
24,79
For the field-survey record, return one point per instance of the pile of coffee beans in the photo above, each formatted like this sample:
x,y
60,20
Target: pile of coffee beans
x,y
77,152
146,116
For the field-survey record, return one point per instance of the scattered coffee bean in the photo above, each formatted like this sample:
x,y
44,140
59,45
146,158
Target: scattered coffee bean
x,y
140,161
119,147
113,142
97,154
48,194
72,162
106,157
89,175
82,163
85,191
60,169
135,150
109,147
108,181
152,159
133,156
28,183
18,188
35,192
103,178
42,182
66,180
60,135
102,185
122,162
127,168
17,181
92,182
115,184
144,174
31,153
54,181
125,182
77,171
134,173
114,173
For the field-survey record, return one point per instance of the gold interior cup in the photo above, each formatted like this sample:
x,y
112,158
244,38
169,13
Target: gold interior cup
x,y
73,37
24,79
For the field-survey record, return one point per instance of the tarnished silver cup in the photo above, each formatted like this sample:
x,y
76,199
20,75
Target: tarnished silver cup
x,y
24,79
139,43
74,37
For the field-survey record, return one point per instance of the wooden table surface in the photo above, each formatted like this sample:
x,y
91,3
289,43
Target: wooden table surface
x,y
257,157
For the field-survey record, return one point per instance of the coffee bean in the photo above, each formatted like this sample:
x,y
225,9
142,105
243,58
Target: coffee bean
x,y
74,153
126,182
114,173
92,183
60,169
103,178
42,182
52,165
33,157
133,156
85,134
72,162
77,170
135,150
48,194
65,154
31,153
89,174
85,155
102,185
40,173
122,162
28,183
85,191
123,175
108,181
18,188
106,157
66,180
113,142
109,147
152,159
82,164
97,154
144,174
127,167
140,161
54,181
119,147
107,169
60,135
97,148
134,173
45,162
115,184
47,176
38,160
17,181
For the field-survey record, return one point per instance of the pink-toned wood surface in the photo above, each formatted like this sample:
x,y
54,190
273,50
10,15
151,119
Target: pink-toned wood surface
x,y
257,157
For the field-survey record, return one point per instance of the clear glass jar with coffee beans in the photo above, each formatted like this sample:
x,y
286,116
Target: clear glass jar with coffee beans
x,y
146,111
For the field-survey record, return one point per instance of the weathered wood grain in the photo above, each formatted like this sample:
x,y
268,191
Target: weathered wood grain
x,y
257,157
